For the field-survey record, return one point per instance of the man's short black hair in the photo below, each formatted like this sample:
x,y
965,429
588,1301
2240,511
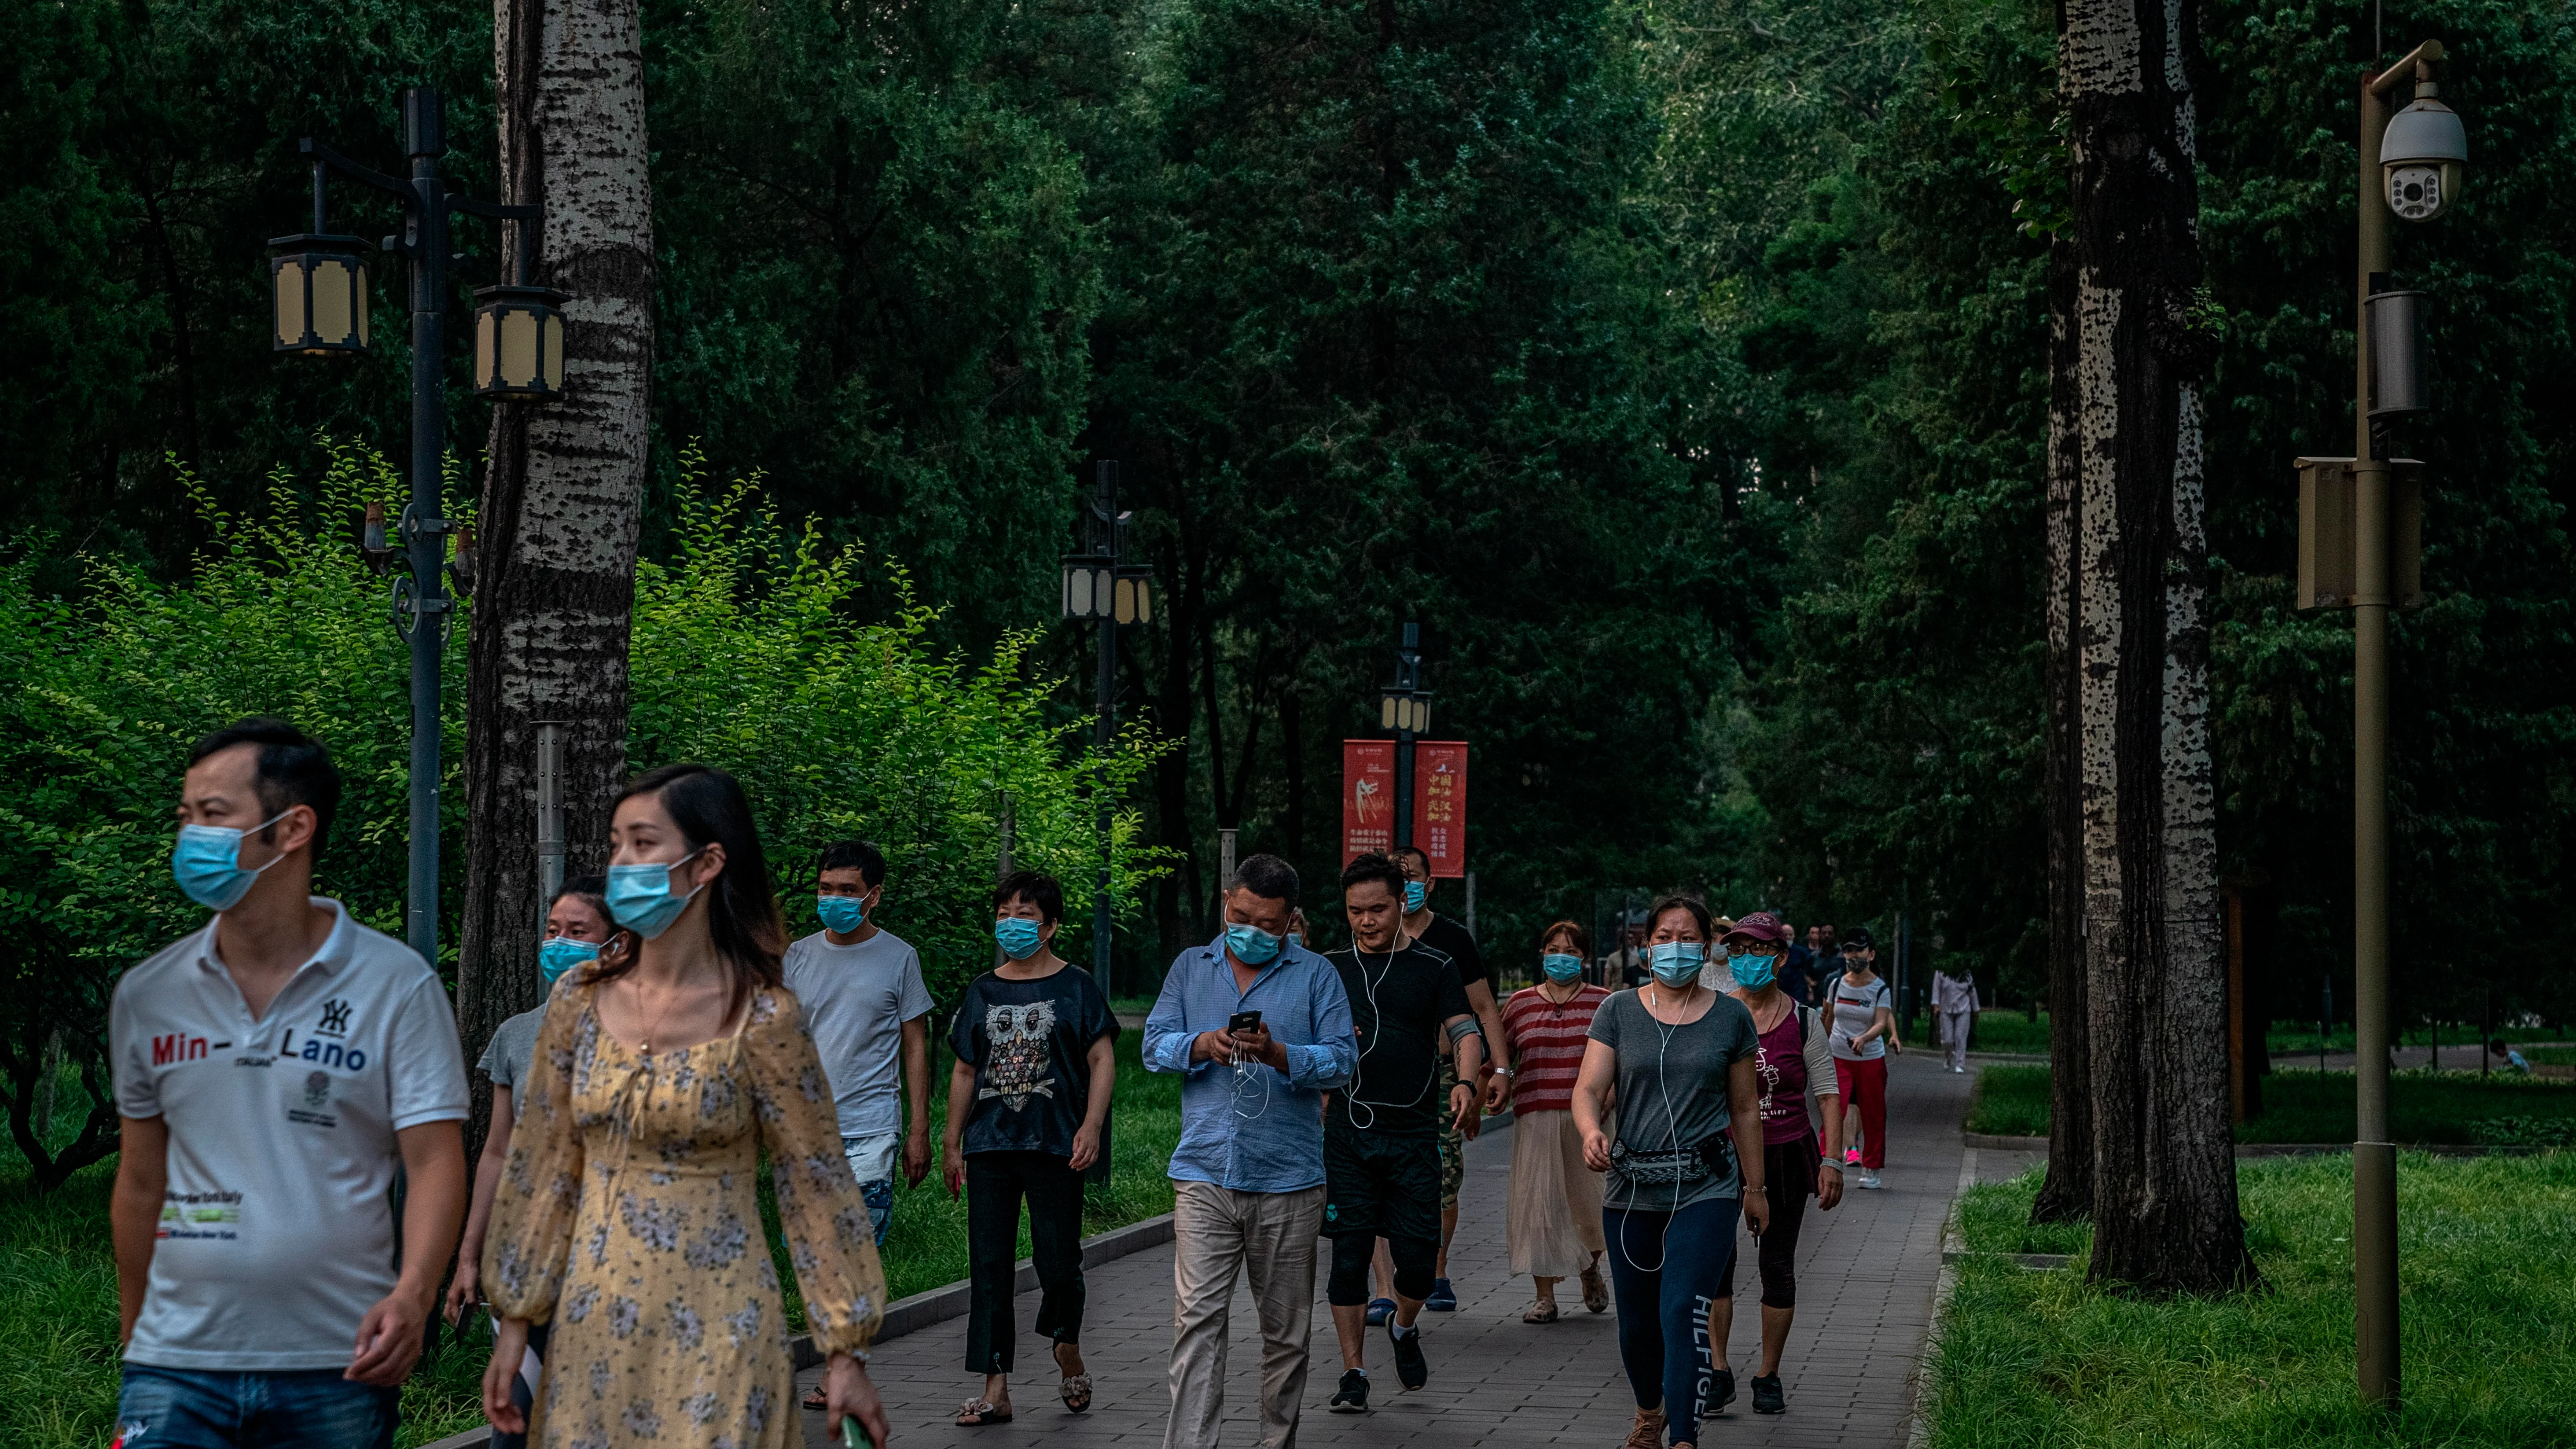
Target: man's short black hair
x,y
1266,876
291,768
856,855
1373,867
1037,888
1417,852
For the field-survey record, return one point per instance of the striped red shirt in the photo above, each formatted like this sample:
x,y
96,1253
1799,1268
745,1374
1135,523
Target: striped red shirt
x,y
1547,1046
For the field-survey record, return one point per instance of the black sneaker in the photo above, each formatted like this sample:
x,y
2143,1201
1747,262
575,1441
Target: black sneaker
x,y
1767,1398
1722,1394
1411,1369
1352,1396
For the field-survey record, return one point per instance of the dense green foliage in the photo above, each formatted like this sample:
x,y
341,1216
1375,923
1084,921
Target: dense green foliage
x,y
744,656
2452,1108
2027,1359
1677,364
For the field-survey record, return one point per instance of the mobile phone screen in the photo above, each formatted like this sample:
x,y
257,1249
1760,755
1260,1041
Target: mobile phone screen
x,y
1244,1021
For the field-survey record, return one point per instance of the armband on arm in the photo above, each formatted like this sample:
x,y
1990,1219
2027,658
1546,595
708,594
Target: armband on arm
x,y
1464,1028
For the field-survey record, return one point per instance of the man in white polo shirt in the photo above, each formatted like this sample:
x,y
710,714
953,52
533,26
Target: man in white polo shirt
x,y
272,1070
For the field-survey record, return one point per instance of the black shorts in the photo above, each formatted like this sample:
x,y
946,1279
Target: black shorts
x,y
1382,1185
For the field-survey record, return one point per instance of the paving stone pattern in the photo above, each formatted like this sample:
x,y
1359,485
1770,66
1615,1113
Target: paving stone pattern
x,y
1865,1288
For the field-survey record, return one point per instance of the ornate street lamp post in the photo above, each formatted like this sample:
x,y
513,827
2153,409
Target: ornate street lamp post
x,y
320,284
1098,590
1405,708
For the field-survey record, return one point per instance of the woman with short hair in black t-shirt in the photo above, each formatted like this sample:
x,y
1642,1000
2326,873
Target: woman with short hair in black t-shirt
x,y
1036,1063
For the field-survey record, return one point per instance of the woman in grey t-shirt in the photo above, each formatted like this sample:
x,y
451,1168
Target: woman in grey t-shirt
x,y
1687,1151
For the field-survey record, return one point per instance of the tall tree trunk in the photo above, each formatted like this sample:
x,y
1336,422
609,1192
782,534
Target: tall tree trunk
x,y
2164,1168
563,497
2067,1193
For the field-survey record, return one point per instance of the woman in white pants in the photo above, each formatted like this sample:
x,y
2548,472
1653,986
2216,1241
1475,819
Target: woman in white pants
x,y
1954,999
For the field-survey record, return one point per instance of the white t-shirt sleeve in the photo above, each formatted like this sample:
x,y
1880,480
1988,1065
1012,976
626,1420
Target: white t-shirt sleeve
x,y
1821,1081
915,996
138,1092
426,1076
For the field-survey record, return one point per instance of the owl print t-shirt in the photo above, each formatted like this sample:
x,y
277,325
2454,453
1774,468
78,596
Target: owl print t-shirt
x,y
1029,1042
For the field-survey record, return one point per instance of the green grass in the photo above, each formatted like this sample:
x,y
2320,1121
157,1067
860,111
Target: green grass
x,y
2040,1359
2002,1030
2290,1039
2553,1056
2453,1107
58,1365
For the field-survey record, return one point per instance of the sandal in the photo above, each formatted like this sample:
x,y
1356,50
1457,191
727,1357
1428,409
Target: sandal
x,y
976,1413
1076,1392
1596,1294
814,1399
1539,1313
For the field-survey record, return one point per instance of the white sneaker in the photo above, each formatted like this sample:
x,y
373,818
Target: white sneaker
x,y
1868,1178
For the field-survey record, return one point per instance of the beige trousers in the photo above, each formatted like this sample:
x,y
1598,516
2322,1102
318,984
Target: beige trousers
x,y
1270,1236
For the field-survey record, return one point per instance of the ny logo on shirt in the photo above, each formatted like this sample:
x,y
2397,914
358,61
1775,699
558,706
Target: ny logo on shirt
x,y
335,1018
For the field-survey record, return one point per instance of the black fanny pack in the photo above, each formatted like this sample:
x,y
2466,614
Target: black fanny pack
x,y
1712,1154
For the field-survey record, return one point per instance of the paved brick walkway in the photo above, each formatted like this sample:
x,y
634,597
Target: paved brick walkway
x,y
1865,1286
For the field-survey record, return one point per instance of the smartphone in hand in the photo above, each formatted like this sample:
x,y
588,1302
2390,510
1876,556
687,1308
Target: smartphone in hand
x,y
1242,1021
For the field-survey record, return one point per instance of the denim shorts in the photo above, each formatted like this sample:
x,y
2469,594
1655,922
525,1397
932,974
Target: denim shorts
x,y
872,1161
172,1408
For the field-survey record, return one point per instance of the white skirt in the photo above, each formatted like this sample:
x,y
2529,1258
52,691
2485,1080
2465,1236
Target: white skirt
x,y
1554,1222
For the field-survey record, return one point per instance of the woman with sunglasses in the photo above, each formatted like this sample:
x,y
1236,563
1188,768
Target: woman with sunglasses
x,y
1688,1151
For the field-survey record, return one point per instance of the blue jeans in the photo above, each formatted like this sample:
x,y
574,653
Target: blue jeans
x,y
169,1408
1669,1270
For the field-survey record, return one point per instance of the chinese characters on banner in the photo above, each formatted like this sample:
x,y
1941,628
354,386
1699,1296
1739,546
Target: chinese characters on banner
x,y
1368,798
1439,801
1440,805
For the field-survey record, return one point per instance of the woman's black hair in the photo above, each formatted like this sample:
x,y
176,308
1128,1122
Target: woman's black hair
x,y
1697,908
593,891
709,808
1037,888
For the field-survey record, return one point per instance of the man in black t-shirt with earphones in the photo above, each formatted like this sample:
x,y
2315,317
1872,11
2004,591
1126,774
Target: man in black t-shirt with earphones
x,y
1381,1134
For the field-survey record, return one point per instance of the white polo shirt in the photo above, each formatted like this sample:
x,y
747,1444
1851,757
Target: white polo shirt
x,y
277,1233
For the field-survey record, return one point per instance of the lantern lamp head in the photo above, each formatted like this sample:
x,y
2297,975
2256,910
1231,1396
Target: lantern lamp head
x,y
320,287
518,343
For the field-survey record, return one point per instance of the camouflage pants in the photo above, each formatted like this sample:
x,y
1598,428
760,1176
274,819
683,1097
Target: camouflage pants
x,y
1453,1143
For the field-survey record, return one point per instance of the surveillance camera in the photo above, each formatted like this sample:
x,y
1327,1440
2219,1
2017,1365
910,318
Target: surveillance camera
x,y
2421,155
2415,192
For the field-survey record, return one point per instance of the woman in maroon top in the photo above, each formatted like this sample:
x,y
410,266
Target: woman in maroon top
x,y
1553,1225
1794,1060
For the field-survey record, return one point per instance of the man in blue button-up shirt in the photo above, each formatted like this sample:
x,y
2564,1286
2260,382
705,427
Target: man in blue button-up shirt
x,y
1248,1177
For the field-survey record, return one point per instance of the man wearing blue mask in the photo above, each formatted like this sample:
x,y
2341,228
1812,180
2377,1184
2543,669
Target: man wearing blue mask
x,y
869,1009
1258,1030
1451,938
281,1049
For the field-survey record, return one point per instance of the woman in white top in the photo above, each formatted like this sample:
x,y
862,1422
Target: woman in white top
x,y
1864,1022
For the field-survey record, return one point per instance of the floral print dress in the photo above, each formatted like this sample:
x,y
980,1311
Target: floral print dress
x,y
627,1215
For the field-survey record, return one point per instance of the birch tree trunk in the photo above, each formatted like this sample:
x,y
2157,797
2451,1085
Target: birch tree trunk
x,y
2067,1193
2164,1167
563,498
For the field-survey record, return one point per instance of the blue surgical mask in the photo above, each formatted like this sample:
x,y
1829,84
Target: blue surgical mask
x,y
1751,971
206,862
1415,893
1017,936
1560,968
562,953
1676,963
640,899
842,914
1297,939
1252,945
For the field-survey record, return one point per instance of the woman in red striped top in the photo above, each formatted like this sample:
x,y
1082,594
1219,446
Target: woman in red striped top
x,y
1554,1223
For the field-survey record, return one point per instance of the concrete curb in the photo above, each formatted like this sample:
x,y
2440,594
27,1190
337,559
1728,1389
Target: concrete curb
x,y
938,1305
1991,1143
1918,1433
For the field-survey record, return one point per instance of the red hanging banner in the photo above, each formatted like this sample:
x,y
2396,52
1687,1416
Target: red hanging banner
x,y
1440,805
1368,798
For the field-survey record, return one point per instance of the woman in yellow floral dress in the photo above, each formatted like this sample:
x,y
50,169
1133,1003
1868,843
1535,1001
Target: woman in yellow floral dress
x,y
627,1214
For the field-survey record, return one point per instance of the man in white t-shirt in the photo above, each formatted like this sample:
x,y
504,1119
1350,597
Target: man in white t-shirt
x,y
272,1070
868,1009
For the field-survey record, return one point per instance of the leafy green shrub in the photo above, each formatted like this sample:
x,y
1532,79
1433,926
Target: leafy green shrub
x,y
748,653
2520,1130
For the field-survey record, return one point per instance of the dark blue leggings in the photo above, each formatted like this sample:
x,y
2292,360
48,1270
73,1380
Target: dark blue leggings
x,y
1669,1268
